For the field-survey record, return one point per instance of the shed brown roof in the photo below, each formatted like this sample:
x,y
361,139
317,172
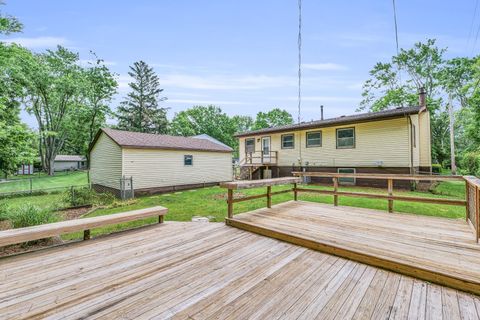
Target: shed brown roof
x,y
160,141
361,117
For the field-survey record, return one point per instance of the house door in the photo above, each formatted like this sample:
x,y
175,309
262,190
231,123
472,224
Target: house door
x,y
266,149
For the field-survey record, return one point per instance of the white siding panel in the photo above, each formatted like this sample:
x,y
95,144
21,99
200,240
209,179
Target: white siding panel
x,y
106,162
387,141
161,168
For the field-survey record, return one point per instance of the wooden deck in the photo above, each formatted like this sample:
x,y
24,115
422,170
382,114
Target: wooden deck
x,y
212,271
435,249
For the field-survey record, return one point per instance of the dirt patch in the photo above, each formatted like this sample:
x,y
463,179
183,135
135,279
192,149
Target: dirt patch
x,y
5,225
74,213
29,246
236,195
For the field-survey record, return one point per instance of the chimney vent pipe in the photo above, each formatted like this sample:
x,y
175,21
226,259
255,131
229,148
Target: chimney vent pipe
x,y
321,112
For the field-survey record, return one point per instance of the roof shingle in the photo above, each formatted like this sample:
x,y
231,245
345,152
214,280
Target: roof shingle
x,y
362,117
160,141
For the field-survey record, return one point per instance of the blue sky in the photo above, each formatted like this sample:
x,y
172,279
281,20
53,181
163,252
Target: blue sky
x,y
242,55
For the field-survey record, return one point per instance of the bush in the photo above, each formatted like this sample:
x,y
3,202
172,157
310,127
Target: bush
x,y
437,168
83,196
470,163
27,215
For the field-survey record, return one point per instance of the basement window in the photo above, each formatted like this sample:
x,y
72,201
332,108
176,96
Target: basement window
x,y
346,138
188,160
346,181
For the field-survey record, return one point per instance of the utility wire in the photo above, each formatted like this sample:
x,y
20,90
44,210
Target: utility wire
x,y
396,28
472,24
299,59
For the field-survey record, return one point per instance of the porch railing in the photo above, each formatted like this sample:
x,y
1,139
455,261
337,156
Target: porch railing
x,y
473,202
261,157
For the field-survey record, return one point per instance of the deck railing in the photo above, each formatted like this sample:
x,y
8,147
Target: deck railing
x,y
471,202
260,158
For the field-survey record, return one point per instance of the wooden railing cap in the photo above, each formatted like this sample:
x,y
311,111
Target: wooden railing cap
x,y
249,184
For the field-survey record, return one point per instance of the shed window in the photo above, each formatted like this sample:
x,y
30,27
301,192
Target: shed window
x,y
349,181
288,141
314,139
188,160
346,138
250,145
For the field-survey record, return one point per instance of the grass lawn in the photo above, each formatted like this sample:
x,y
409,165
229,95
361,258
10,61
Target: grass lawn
x,y
211,202
45,183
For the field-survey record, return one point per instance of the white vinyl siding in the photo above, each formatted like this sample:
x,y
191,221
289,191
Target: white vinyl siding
x,y
151,168
106,162
385,142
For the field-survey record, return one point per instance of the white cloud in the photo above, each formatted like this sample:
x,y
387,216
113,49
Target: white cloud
x,y
230,82
204,102
38,42
328,66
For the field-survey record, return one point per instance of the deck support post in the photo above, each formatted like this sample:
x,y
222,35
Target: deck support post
x,y
335,190
230,203
160,219
269,197
86,234
390,193
295,192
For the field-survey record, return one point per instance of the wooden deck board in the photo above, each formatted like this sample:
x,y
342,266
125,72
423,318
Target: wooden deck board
x,y
434,249
210,271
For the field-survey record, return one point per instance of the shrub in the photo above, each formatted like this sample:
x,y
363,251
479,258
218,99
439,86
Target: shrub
x,y
29,215
82,196
436,168
470,163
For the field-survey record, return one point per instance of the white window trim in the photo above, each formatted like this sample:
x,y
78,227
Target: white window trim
x,y
184,158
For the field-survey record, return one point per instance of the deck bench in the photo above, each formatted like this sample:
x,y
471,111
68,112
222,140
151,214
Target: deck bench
x,y
20,235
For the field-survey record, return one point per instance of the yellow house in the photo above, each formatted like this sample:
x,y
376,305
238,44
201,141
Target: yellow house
x,y
156,163
390,141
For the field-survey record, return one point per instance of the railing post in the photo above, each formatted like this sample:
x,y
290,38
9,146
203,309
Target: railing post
x,y
467,198
230,203
477,211
295,192
335,190
160,219
390,193
269,197
86,234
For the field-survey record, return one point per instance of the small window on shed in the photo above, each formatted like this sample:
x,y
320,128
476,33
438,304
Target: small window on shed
x,y
188,160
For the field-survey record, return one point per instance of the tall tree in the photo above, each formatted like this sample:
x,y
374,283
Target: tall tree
x,y
52,81
8,23
210,120
140,110
273,118
91,112
16,139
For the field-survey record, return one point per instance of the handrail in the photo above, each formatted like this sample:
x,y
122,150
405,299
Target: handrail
x,y
249,184
19,235
272,155
471,202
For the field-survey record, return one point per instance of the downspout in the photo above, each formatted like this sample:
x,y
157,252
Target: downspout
x,y
410,136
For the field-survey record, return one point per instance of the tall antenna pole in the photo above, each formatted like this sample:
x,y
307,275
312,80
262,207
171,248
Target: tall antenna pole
x,y
299,59
395,22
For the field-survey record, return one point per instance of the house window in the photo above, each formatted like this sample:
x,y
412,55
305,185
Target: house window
x,y
346,138
347,181
250,145
288,141
188,160
314,139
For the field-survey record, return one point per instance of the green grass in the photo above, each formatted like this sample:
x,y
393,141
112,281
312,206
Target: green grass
x,y
211,202
45,183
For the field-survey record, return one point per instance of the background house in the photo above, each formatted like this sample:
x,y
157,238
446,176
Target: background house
x,y
157,163
70,162
392,141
